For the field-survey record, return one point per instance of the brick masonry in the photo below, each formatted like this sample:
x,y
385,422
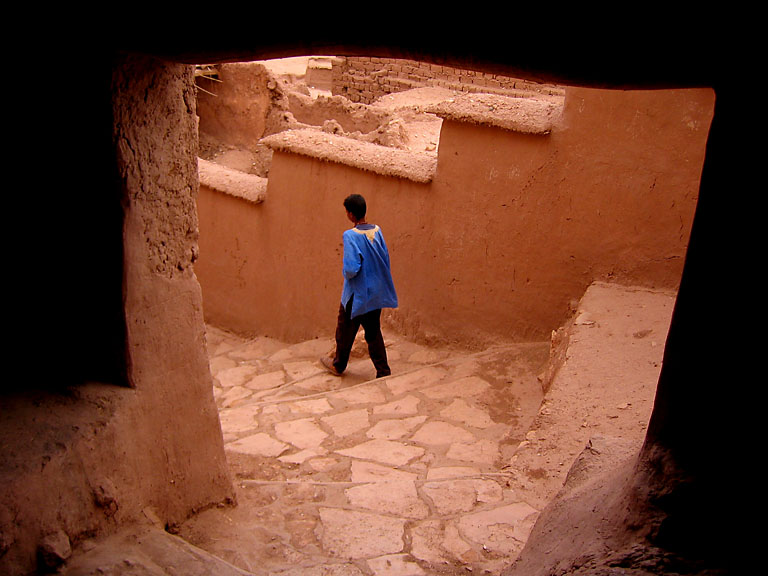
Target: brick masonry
x,y
364,79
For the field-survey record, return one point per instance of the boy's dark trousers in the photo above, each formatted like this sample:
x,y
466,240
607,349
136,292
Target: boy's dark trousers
x,y
346,330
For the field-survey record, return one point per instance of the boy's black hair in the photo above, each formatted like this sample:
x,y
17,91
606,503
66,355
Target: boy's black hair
x,y
355,204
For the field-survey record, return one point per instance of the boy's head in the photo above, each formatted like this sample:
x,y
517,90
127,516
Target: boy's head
x,y
355,205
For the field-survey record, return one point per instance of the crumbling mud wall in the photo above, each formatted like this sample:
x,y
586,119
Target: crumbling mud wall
x,y
236,105
366,78
241,103
184,467
506,232
87,459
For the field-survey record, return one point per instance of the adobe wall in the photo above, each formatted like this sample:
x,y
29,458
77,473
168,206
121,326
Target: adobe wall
x,y
365,78
170,429
509,231
85,460
274,268
234,108
519,225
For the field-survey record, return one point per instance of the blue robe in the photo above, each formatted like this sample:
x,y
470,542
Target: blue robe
x,y
367,275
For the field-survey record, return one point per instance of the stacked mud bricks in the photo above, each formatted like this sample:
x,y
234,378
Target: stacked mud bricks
x,y
364,79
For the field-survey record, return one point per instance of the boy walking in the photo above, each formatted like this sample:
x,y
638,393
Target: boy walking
x,y
368,287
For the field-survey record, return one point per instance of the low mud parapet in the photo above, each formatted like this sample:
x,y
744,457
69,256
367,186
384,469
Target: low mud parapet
x,y
416,166
523,115
233,182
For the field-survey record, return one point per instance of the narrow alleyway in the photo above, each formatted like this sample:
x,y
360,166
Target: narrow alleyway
x,y
441,468
341,469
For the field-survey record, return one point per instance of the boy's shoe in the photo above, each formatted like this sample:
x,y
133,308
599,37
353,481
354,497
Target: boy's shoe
x,y
328,363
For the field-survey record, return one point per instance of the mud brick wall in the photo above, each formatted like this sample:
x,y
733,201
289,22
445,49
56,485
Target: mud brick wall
x,y
510,230
364,79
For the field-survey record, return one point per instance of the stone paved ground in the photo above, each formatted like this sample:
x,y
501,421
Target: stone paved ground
x,y
338,475
441,468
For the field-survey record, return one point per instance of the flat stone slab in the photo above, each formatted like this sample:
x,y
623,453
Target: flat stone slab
x,y
233,396
260,444
368,394
320,383
395,428
431,542
503,530
443,472
451,497
390,497
384,451
353,535
458,548
302,456
362,471
312,406
300,369
303,433
462,495
282,355
221,363
313,348
236,376
347,423
395,565
460,411
345,569
402,407
438,433
266,381
482,451
239,418
321,463
415,380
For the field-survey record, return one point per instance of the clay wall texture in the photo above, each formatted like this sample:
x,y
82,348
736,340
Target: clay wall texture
x,y
510,231
151,450
234,108
173,453
364,79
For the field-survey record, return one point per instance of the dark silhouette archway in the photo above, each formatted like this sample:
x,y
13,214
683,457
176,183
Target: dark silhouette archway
x,y
697,407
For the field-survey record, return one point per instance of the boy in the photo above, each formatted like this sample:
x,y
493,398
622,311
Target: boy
x,y
368,288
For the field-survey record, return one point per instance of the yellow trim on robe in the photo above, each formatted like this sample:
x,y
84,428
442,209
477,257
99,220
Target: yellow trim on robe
x,y
370,234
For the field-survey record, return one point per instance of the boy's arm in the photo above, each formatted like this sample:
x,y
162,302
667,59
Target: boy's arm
x,y
353,259
386,250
